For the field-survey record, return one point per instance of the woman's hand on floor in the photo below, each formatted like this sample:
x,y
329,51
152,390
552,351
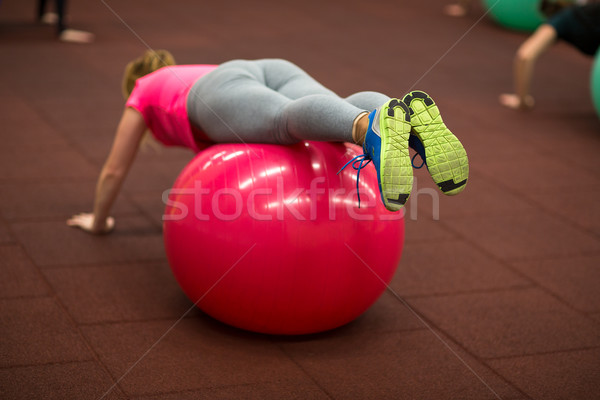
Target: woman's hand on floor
x,y
86,222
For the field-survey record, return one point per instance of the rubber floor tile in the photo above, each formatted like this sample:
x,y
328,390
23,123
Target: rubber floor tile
x,y
122,292
580,207
425,229
92,141
38,331
406,365
69,381
169,356
26,134
427,202
534,235
18,276
55,243
153,177
454,267
5,235
60,106
388,314
151,154
581,146
58,164
15,32
173,159
52,200
493,147
540,173
575,280
151,204
293,390
64,79
482,197
561,376
509,323
95,148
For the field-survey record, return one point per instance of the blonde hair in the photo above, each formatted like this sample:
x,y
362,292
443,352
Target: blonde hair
x,y
150,61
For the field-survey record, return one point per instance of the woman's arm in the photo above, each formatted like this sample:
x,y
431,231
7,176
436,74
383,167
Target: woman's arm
x,y
525,59
127,139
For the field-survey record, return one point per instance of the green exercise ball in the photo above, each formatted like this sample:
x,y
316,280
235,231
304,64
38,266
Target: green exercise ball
x,y
520,15
595,83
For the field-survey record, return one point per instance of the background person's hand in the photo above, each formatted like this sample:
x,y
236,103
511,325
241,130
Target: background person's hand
x,y
515,102
86,222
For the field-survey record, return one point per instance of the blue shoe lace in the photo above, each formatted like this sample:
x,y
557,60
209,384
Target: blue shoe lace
x,y
358,163
417,146
412,161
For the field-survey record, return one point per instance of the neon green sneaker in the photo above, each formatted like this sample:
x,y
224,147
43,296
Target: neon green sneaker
x,y
441,151
386,145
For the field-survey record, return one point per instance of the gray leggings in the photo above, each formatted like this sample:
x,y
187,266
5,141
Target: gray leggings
x,y
272,101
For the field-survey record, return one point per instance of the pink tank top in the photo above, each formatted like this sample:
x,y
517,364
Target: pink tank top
x,y
161,98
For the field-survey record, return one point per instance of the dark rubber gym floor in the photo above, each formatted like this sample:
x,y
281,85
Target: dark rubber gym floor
x,y
497,292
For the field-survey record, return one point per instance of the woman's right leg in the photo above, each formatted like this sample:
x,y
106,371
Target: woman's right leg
x,y
367,101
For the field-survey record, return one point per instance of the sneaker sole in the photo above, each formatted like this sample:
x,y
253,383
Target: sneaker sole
x,y
395,168
446,157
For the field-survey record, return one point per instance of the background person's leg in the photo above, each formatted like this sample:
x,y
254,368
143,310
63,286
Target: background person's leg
x,y
41,9
60,10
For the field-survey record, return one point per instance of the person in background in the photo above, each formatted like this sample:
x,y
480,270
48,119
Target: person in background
x,y
578,25
57,18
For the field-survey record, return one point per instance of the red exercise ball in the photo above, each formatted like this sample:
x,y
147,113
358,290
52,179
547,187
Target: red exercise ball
x,y
269,239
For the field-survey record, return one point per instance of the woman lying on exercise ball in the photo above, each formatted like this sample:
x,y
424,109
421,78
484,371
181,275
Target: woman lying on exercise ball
x,y
273,101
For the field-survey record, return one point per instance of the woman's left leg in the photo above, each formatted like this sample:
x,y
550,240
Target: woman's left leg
x,y
268,101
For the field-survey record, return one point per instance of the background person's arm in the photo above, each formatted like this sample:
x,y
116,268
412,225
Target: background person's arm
x,y
524,63
127,139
